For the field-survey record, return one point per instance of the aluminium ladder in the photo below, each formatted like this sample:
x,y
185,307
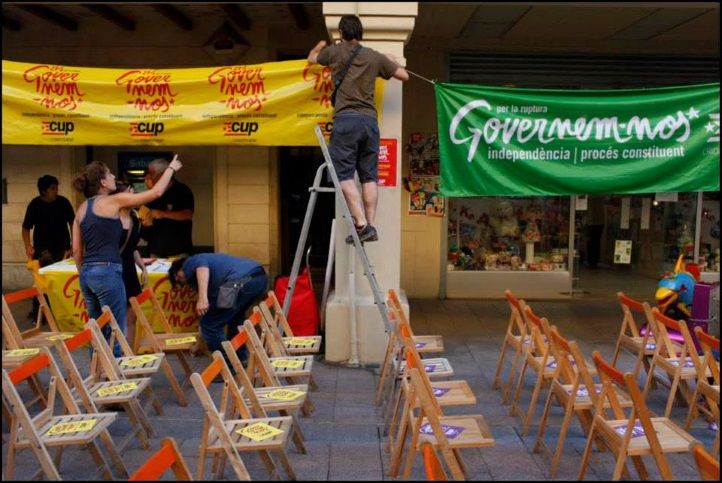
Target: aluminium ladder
x,y
360,251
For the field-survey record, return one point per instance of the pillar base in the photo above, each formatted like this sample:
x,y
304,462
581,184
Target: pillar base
x,y
370,330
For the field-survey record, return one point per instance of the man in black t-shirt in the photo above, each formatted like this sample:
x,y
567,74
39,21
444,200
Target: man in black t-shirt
x,y
168,228
50,216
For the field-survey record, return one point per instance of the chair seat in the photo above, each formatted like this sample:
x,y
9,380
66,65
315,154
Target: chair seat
x,y
584,401
270,404
672,438
243,443
118,397
551,365
453,393
436,367
166,342
102,421
688,370
293,346
147,368
291,371
12,361
474,432
46,339
428,343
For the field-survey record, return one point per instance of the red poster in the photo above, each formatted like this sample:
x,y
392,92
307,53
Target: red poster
x,y
387,162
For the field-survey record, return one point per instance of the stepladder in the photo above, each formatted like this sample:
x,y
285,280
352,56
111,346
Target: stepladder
x,y
359,249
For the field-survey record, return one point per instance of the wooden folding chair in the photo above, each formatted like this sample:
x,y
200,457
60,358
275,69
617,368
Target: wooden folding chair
x,y
168,456
636,435
105,385
224,434
286,400
294,345
640,346
146,340
446,393
132,365
571,385
707,466
432,466
298,367
516,336
261,370
706,388
45,430
36,336
538,357
425,344
680,366
448,434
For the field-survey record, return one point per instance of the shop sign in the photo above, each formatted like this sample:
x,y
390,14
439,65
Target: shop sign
x,y
271,104
501,141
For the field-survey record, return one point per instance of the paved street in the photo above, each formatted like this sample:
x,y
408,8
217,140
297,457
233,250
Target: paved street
x,y
344,436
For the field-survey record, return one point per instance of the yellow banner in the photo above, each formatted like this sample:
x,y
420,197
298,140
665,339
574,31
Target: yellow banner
x,y
271,104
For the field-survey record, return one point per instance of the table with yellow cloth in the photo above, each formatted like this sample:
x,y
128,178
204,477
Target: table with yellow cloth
x,y
61,284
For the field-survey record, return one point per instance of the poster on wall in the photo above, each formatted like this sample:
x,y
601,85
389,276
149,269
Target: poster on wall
x,y
623,251
387,162
423,181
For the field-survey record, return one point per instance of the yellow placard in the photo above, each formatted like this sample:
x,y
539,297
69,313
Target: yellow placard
x,y
60,337
270,104
118,389
71,427
287,364
139,360
259,431
21,352
284,394
180,340
300,341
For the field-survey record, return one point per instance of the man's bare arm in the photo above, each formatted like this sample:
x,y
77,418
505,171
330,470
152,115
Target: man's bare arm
x,y
313,55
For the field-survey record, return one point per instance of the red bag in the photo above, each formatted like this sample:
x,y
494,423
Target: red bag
x,y
303,315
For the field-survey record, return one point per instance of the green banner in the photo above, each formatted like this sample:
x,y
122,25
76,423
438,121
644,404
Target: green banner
x,y
497,141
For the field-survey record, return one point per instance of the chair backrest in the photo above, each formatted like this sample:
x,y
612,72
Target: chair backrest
x,y
707,465
116,334
517,324
230,347
666,347
279,317
539,330
259,359
272,337
639,412
708,343
168,456
561,349
44,312
213,417
629,308
414,361
146,325
432,465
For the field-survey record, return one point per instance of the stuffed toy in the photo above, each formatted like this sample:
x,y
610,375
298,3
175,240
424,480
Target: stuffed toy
x,y
502,219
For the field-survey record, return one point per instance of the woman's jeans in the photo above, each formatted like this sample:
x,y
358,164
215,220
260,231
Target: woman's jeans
x,y
215,322
102,284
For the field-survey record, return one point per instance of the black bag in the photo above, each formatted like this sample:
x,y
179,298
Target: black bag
x,y
338,80
228,293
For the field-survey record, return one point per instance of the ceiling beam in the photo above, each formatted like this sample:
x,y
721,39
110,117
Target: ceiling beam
x,y
11,24
112,15
299,14
51,16
227,32
237,16
174,15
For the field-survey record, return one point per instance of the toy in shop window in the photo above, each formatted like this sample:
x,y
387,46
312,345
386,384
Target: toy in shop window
x,y
675,292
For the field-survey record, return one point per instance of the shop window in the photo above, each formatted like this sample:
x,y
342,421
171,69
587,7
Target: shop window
x,y
519,233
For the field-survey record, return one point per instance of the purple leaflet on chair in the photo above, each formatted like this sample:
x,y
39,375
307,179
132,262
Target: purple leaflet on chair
x,y
440,391
637,430
451,432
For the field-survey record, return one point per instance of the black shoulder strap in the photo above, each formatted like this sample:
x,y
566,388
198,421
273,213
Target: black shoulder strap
x,y
337,82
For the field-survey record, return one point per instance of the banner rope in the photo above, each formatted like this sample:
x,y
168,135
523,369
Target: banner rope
x,y
421,77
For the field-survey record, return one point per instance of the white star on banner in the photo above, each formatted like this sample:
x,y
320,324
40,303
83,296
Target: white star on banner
x,y
692,113
709,127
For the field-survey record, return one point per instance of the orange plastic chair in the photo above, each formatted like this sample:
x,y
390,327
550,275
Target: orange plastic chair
x,y
168,456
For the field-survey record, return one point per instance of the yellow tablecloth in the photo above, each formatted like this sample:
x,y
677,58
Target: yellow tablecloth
x,y
60,283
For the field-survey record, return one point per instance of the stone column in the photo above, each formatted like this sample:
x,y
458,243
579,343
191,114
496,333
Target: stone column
x,y
387,27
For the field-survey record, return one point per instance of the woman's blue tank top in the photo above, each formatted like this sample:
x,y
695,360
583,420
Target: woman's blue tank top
x,y
102,237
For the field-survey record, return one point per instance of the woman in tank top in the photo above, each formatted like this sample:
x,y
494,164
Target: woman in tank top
x,y
97,238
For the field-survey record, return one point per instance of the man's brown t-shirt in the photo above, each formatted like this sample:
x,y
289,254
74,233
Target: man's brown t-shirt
x,y
356,93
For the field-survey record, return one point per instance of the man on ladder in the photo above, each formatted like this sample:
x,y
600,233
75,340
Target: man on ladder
x,y
355,137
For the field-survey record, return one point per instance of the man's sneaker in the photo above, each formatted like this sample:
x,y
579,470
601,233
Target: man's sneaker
x,y
367,233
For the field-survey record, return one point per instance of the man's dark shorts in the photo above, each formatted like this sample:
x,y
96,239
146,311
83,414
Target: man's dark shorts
x,y
355,146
